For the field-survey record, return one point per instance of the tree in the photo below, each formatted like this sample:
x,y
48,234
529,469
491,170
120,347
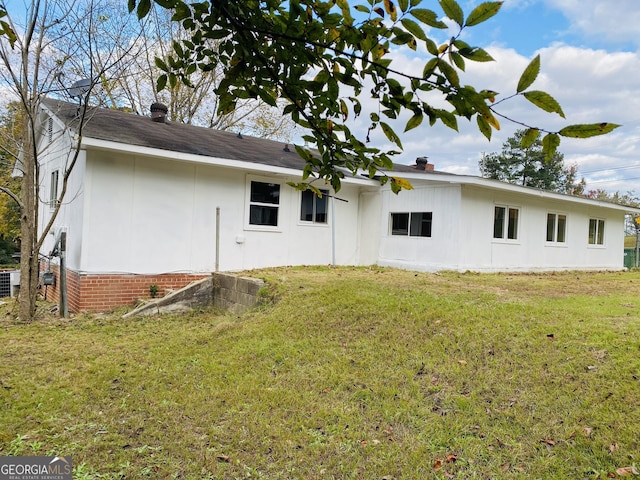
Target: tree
x,y
527,166
9,209
132,84
320,56
41,57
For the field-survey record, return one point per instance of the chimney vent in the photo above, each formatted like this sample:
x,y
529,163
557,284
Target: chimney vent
x,y
421,163
158,112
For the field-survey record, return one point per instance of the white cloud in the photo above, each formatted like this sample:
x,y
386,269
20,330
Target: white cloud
x,y
614,21
591,85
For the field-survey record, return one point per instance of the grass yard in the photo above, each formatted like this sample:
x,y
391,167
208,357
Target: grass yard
x,y
353,373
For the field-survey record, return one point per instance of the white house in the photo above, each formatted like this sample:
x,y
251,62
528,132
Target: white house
x,y
146,196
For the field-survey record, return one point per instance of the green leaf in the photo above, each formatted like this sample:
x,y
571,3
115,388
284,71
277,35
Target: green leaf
x,y
432,48
404,5
483,12
131,5
476,54
588,130
413,28
414,121
544,101
484,126
457,59
530,136
529,75
453,11
161,83
449,72
161,65
448,118
390,134
428,17
344,110
143,8
362,8
550,144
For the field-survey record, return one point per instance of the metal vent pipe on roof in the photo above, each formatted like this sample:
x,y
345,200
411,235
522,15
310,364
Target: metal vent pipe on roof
x,y
421,163
159,112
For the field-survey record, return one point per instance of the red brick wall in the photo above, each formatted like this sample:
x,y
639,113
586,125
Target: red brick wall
x,y
100,292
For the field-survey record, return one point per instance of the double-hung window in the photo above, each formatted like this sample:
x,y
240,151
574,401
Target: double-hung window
x,y
596,231
505,222
314,208
414,224
556,228
264,204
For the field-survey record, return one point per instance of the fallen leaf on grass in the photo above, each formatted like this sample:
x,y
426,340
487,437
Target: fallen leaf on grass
x,y
587,431
223,458
437,465
624,471
462,362
549,441
613,447
452,457
504,467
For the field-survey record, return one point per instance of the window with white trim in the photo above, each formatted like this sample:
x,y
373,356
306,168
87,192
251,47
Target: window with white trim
x,y
413,224
556,227
596,231
264,203
53,189
314,208
505,222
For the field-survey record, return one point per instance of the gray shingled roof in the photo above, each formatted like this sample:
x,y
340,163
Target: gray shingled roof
x,y
132,129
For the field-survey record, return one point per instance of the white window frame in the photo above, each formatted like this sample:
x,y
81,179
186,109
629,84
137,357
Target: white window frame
x,y
53,188
409,224
505,224
554,240
325,196
599,233
248,203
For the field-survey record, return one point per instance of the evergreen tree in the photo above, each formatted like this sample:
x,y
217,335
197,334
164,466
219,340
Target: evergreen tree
x,y
527,166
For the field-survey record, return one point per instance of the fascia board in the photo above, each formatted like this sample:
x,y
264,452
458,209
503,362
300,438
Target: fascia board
x,y
507,187
93,143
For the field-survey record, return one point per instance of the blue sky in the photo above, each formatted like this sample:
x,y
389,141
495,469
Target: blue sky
x,y
590,52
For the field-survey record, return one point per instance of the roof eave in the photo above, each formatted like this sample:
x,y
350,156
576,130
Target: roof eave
x,y
98,144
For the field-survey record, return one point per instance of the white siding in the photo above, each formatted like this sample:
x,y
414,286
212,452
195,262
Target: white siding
x,y
531,251
440,251
149,215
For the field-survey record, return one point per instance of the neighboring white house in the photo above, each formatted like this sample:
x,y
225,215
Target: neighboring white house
x,y
142,202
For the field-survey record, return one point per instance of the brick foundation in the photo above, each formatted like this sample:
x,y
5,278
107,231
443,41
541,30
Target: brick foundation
x,y
100,292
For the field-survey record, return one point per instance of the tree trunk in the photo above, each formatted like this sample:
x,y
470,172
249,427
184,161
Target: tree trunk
x,y
29,215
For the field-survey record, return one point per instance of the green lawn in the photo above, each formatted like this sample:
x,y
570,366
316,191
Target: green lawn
x,y
350,373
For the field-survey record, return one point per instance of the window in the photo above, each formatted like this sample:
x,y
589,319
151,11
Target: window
x,y
415,224
264,203
596,231
314,208
505,222
53,189
556,227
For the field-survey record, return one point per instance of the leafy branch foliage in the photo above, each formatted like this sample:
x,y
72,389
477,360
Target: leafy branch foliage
x,y
322,55
522,162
